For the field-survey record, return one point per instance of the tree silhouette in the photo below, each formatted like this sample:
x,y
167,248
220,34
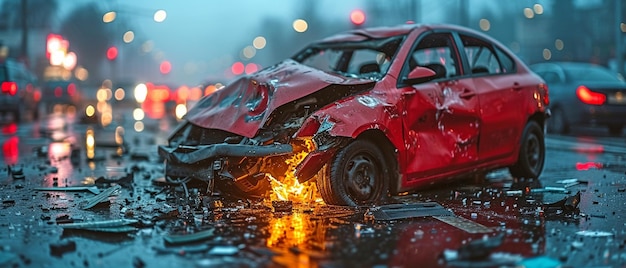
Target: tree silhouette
x,y
88,36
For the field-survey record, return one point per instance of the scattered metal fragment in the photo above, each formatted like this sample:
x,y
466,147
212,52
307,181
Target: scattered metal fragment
x,y
223,250
550,190
111,226
62,247
16,172
92,189
282,206
481,248
181,250
187,238
464,224
594,233
514,193
404,211
103,196
567,204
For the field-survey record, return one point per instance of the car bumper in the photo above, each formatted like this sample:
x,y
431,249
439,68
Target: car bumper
x,y
601,115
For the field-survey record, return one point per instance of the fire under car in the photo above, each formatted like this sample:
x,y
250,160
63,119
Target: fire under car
x,y
367,114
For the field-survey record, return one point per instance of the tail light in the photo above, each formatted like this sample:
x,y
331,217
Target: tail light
x,y
590,97
58,91
71,89
9,88
543,89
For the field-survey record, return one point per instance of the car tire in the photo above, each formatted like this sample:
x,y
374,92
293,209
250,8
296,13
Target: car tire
x,y
615,130
356,176
532,153
557,123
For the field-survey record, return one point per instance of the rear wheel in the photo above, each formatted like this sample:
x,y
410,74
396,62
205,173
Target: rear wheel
x,y
356,176
532,153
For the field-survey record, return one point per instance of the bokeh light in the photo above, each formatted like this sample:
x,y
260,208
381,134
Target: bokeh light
x,y
128,37
485,25
558,44
109,17
160,15
538,8
529,13
547,54
237,68
300,25
259,42
249,52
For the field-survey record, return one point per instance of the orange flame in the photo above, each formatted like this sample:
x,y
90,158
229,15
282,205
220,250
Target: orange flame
x,y
288,187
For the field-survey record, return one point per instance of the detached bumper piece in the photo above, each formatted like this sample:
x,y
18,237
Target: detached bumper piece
x,y
194,154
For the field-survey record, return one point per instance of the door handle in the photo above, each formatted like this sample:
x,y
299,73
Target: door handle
x,y
467,94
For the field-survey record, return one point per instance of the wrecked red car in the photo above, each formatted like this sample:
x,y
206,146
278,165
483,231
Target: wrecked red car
x,y
367,114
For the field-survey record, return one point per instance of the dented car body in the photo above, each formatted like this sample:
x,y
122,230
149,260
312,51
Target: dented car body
x,y
367,114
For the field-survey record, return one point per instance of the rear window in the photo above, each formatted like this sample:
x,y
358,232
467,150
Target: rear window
x,y
591,74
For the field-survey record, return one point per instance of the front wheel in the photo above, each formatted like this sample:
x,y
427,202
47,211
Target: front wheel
x,y
356,176
532,153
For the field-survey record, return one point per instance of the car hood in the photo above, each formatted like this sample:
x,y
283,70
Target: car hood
x,y
244,105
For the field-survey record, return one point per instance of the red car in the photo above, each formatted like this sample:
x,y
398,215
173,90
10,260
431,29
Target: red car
x,y
367,114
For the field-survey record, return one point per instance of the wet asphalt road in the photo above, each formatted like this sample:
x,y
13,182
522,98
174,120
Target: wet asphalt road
x,y
498,220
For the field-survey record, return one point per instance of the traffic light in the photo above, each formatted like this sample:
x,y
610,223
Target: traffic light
x,y
357,17
112,53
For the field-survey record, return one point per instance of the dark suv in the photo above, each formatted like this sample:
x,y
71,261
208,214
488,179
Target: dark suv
x,y
20,91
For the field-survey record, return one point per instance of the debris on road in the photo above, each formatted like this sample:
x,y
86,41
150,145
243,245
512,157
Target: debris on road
x,y
566,205
92,189
62,247
109,226
188,238
549,189
404,211
480,249
464,224
594,233
102,197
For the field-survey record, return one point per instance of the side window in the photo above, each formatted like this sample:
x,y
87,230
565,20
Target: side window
x,y
436,52
484,58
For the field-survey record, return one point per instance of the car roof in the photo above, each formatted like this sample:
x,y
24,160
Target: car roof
x,y
389,31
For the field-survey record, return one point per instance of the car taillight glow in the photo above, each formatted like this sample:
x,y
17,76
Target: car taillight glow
x,y
543,88
590,97
71,89
9,88
58,92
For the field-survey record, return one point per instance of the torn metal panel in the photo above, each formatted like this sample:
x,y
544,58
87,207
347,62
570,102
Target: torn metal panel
x,y
189,238
405,211
243,106
465,224
194,154
92,189
107,226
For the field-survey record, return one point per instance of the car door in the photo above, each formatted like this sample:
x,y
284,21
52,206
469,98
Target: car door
x,y
441,117
501,92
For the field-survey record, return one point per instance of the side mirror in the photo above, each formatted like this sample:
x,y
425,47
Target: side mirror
x,y
420,75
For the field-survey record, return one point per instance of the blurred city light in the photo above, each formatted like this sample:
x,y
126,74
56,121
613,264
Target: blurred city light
x,y
529,13
119,94
128,37
538,9
558,44
141,92
138,126
485,25
249,52
109,17
237,68
251,68
138,114
112,53
90,110
622,26
259,42
69,61
147,46
300,25
357,17
81,73
181,110
165,67
547,54
160,15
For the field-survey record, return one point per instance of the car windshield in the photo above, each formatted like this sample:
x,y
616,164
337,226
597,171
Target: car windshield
x,y
591,74
365,59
